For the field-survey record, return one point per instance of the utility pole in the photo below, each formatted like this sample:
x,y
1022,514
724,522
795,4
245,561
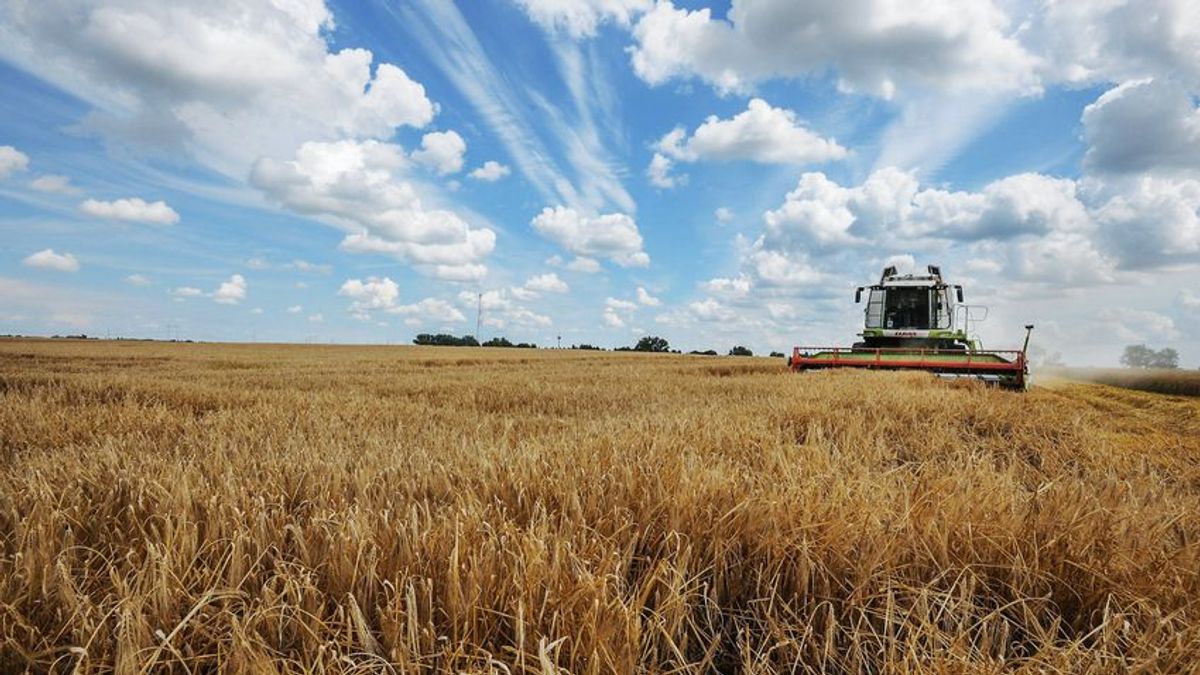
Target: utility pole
x,y
559,338
478,314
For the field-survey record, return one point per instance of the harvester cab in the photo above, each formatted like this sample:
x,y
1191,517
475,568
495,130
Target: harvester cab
x,y
919,322
913,310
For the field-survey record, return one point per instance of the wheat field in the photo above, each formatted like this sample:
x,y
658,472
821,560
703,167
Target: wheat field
x,y
253,508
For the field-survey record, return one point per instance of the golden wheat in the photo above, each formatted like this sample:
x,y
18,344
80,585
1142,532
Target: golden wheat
x,y
339,509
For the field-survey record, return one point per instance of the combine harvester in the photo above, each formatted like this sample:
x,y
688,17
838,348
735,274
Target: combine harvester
x,y
913,323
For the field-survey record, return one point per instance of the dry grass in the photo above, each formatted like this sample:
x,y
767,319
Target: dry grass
x,y
317,509
1175,382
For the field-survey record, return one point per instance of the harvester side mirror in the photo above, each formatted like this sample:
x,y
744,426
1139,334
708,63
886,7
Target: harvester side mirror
x,y
958,292
858,295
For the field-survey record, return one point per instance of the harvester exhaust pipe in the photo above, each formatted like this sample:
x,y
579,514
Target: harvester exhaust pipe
x,y
1028,330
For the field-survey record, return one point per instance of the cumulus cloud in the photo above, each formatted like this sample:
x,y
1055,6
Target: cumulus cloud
x,y
646,299
183,74
659,172
295,309
137,280
1143,125
873,46
186,292
581,18
231,291
1136,325
47,259
54,184
723,215
12,160
614,236
1029,227
1119,40
761,133
1152,221
546,283
134,209
430,309
359,186
441,151
373,294
490,172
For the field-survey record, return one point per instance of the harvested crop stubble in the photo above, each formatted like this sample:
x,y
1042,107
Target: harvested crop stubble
x,y
319,508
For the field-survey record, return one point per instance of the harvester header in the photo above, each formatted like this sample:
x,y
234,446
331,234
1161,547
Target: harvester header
x,y
919,322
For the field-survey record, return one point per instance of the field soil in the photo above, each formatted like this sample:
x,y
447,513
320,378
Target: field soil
x,y
257,508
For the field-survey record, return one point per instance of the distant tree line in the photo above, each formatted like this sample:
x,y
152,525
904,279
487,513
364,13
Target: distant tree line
x,y
649,343
1141,356
504,342
445,340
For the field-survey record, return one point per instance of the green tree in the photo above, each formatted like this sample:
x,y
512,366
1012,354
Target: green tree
x,y
1137,356
652,343
740,351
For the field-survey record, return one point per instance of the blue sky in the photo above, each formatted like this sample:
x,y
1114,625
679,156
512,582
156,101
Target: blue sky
x,y
299,170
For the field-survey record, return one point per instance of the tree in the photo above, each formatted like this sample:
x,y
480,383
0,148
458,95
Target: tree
x,y
1137,356
497,342
1141,356
444,340
740,351
1167,358
777,355
652,343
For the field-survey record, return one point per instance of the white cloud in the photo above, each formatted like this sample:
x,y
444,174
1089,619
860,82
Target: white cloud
x,y
356,185
316,318
659,172
231,291
738,287
47,259
295,309
257,310
134,209
874,46
137,280
614,236
612,319
580,18
186,292
619,305
1151,222
430,309
646,299
53,183
546,283
1120,40
578,264
760,133
711,310
490,172
584,264
228,81
464,272
1189,300
12,160
1136,325
442,151
1143,125
373,294
723,215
